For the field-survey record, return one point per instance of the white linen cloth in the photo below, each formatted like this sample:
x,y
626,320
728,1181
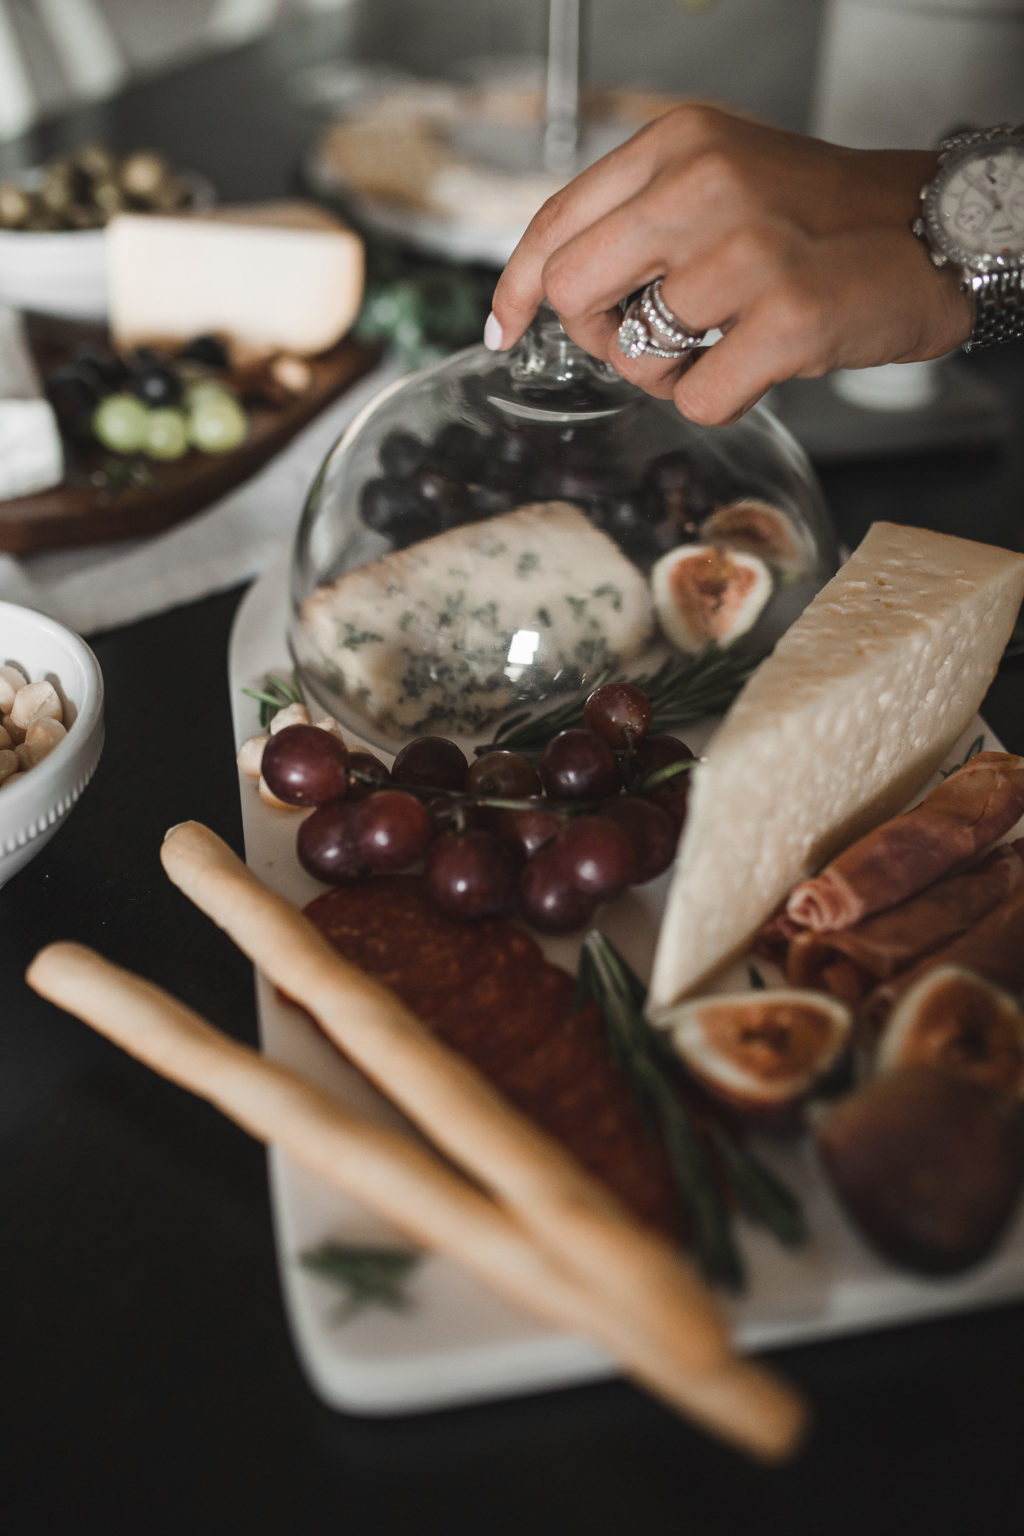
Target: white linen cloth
x,y
107,585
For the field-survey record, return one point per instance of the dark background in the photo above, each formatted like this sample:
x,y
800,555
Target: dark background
x,y
147,1383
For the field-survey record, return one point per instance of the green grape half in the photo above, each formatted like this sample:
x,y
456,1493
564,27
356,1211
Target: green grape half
x,y
166,434
216,421
120,423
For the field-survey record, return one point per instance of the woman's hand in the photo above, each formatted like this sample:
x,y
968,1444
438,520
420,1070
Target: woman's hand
x,y
800,252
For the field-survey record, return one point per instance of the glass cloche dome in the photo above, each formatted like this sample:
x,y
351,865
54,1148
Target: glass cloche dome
x,y
498,532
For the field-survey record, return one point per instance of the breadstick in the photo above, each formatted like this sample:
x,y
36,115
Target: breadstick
x,y
405,1183
454,1105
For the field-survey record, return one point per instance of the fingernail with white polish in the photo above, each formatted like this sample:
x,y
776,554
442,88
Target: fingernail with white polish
x,y
492,334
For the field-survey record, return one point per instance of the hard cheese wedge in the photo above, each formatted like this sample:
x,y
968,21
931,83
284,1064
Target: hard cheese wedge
x,y
280,279
858,704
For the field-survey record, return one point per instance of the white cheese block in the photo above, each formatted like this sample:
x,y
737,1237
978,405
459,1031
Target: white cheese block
x,y
858,704
281,282
451,631
31,452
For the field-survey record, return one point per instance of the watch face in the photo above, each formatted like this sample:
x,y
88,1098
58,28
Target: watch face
x,y
979,204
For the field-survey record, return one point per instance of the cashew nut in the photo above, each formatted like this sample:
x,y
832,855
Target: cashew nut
x,y
42,736
9,764
11,679
31,702
330,725
250,755
292,714
269,798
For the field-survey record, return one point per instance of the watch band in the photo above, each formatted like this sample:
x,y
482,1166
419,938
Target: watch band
x,y
998,309
998,294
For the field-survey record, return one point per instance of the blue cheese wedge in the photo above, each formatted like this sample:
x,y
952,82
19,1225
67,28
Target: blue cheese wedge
x,y
859,703
449,633
31,452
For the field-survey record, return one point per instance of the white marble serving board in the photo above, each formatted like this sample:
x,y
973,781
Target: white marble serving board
x,y
457,1342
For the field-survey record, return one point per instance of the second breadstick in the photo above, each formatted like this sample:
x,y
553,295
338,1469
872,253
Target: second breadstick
x,y
453,1104
405,1183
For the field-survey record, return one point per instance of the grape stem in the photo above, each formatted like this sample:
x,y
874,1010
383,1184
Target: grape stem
x,y
464,797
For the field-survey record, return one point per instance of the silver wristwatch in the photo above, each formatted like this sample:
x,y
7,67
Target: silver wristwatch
x,y
972,218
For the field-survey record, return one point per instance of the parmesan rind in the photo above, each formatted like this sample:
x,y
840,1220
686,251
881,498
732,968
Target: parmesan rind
x,y
858,704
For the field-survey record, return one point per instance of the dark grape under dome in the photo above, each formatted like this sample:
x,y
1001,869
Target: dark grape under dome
x,y
500,532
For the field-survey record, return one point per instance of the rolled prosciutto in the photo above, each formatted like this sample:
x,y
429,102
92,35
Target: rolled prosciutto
x,y
968,812
849,962
993,947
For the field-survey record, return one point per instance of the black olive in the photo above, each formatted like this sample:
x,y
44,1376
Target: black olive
x,y
499,475
514,446
74,396
145,357
458,450
401,454
623,514
388,505
446,498
685,490
588,483
105,367
206,349
157,384
490,500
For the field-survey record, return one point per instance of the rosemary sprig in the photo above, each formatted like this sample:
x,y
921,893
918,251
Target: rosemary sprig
x,y
618,992
662,775
682,688
763,1196
367,1276
643,1055
121,474
275,694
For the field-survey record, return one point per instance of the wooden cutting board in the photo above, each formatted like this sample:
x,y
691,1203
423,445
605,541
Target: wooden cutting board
x,y
79,512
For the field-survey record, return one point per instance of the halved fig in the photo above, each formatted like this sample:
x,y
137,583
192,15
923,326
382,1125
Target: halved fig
x,y
703,593
927,1165
762,1052
956,1020
758,528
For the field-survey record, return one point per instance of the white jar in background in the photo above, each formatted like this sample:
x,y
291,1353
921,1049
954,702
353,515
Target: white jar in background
x,y
903,73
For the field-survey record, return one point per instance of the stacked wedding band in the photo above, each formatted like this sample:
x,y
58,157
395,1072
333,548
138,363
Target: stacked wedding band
x,y
651,329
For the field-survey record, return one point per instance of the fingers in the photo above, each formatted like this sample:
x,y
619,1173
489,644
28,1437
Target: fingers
x,y
602,187
608,187
850,301
798,251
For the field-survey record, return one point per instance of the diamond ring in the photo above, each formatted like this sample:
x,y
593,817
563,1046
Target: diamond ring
x,y
650,328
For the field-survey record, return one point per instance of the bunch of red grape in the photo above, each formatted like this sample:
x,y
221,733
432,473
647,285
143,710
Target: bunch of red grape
x,y
600,811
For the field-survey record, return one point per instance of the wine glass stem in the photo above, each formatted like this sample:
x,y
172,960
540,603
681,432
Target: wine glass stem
x,y
562,98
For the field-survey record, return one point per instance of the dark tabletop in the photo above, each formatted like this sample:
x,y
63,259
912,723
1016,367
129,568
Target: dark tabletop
x,y
147,1381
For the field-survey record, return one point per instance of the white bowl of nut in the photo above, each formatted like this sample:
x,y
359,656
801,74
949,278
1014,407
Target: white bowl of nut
x,y
51,729
53,244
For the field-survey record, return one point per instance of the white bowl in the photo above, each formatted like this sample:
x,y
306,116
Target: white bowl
x,y
60,273
63,272
32,808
